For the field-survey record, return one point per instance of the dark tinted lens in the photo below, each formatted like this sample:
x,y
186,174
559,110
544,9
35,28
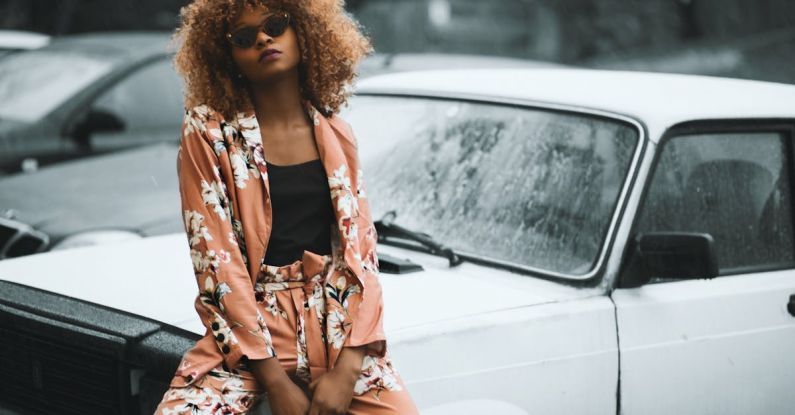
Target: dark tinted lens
x,y
276,24
244,37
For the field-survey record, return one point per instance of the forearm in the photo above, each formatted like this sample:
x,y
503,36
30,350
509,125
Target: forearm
x,y
349,362
268,372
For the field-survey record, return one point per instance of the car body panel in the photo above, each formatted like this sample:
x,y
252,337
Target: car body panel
x,y
426,314
659,101
79,196
414,296
719,346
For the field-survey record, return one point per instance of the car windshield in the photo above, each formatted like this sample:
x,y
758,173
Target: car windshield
x,y
34,83
518,185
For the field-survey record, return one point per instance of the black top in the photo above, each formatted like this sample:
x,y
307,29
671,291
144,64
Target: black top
x,y
302,212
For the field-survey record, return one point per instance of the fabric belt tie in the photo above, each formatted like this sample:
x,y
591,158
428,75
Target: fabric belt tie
x,y
310,274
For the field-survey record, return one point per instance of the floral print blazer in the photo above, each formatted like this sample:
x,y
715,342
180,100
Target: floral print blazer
x,y
227,212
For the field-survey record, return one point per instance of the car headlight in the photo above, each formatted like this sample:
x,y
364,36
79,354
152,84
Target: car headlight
x,y
95,238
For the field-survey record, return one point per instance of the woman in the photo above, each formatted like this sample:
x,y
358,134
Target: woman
x,y
277,220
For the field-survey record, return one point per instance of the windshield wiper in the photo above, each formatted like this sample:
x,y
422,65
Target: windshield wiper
x,y
386,227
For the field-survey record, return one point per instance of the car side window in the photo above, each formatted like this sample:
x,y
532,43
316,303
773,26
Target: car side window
x,y
734,186
148,99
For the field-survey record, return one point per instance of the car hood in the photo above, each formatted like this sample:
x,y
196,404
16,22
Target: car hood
x,y
153,277
134,190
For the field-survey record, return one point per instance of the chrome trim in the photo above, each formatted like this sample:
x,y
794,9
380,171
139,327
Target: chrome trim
x,y
484,99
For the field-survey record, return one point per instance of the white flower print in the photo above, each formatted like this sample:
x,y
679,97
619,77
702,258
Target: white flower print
x,y
345,202
272,306
213,194
202,110
249,128
340,291
208,259
302,357
195,228
239,168
377,372
335,327
317,301
265,334
193,397
231,238
339,178
215,134
360,185
218,148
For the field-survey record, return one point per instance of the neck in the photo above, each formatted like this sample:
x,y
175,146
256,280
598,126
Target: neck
x,y
278,104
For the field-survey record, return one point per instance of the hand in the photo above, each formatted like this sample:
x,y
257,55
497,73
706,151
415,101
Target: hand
x,y
332,392
287,398
284,396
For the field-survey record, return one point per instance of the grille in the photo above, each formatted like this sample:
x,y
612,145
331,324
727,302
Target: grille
x,y
47,377
64,356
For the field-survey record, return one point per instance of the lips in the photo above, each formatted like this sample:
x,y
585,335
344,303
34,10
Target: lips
x,y
268,52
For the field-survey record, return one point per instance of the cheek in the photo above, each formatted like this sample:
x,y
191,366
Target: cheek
x,y
292,42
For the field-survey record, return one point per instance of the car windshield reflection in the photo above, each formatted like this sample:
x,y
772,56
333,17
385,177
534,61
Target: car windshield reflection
x,y
34,83
530,187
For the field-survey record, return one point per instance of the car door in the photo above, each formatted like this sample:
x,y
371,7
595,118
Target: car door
x,y
722,345
146,105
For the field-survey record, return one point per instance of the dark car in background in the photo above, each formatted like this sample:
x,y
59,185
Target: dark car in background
x,y
87,94
119,101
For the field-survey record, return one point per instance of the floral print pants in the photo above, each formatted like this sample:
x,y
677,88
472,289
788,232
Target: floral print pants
x,y
303,326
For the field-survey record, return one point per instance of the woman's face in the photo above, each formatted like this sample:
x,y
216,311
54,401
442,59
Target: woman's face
x,y
252,62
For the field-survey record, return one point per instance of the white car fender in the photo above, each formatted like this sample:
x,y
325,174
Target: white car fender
x,y
474,407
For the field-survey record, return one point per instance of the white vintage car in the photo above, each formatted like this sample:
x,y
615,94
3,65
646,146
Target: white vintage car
x,y
594,242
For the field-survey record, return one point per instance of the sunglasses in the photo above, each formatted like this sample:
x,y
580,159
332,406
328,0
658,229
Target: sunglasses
x,y
273,26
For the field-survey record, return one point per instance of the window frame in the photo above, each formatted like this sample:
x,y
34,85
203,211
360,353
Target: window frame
x,y
120,83
595,276
73,111
783,126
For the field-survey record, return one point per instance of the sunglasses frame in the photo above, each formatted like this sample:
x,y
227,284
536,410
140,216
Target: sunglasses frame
x,y
260,28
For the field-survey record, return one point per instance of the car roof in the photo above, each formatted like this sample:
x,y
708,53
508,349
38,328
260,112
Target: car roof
x,y
658,100
378,63
18,39
114,45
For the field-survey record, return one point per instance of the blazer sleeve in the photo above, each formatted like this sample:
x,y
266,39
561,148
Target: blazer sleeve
x,y
367,322
226,302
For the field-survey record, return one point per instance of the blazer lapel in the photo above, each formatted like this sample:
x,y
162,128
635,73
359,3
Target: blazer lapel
x,y
249,130
338,171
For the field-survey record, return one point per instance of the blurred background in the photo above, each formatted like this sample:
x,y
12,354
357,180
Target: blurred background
x,y
91,107
740,38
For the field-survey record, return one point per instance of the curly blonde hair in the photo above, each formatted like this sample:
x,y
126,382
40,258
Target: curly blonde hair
x,y
331,43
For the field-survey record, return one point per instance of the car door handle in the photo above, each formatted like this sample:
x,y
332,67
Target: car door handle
x,y
791,305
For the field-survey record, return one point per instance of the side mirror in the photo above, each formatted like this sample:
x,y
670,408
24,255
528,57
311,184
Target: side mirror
x,y
670,255
18,239
96,120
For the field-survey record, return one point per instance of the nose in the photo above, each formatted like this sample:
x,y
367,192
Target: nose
x,y
263,39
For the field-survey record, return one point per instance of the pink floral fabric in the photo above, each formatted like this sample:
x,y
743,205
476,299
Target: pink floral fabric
x,y
227,213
